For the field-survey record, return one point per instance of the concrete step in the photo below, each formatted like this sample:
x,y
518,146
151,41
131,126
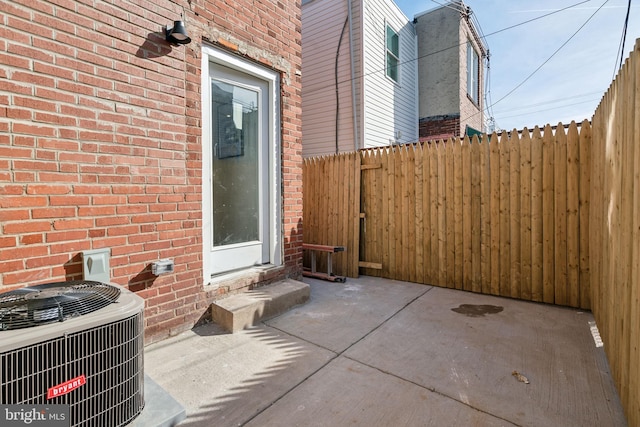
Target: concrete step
x,y
239,311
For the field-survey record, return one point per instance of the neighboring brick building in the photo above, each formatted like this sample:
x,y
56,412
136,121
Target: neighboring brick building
x,y
451,54
110,137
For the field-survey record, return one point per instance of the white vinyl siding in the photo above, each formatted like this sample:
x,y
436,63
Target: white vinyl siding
x,y
385,109
323,22
390,108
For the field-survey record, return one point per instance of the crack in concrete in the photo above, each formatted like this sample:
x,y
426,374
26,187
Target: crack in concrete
x,y
337,354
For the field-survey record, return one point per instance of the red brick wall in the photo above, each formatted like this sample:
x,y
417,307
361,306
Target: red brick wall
x,y
439,127
100,141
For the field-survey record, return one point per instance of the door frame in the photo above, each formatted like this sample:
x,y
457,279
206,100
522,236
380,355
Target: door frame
x,y
272,78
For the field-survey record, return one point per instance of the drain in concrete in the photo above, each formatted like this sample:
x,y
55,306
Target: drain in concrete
x,y
473,310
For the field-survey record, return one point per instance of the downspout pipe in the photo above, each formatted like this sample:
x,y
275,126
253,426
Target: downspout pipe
x,y
356,133
336,76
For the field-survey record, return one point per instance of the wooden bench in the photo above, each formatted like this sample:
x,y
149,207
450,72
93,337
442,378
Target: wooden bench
x,y
311,272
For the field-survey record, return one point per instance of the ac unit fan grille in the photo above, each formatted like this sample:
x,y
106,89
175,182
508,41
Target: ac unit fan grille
x,y
53,302
111,358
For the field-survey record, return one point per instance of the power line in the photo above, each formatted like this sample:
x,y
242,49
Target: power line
x,y
623,40
548,109
552,101
451,47
545,62
541,16
448,6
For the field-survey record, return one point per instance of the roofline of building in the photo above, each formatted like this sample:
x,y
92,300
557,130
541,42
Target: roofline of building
x,y
465,12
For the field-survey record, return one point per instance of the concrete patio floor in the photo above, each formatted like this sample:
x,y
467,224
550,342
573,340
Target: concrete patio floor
x,y
376,352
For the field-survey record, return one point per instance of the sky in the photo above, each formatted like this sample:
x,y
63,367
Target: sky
x,y
570,83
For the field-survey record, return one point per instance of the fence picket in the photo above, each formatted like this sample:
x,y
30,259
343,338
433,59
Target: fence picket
x,y
406,214
514,216
466,236
494,217
614,152
584,206
505,241
457,213
476,216
435,235
342,206
400,219
485,215
449,197
411,202
573,224
393,225
537,238
548,246
354,218
560,216
375,221
419,254
442,217
427,203
525,215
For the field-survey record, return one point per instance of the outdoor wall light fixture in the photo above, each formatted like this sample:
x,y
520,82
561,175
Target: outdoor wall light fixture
x,y
177,34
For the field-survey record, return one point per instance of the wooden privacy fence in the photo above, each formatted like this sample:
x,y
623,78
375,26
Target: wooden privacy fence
x,y
615,230
331,205
501,215
541,216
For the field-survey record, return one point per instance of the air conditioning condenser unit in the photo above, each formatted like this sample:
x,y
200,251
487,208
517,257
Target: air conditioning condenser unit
x,y
76,343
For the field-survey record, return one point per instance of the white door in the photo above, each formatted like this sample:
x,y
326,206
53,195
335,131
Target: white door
x,y
240,190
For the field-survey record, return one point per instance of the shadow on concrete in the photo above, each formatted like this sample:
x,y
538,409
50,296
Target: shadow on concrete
x,y
226,379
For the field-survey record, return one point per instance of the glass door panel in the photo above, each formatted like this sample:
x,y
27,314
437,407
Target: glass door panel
x,y
239,170
236,195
